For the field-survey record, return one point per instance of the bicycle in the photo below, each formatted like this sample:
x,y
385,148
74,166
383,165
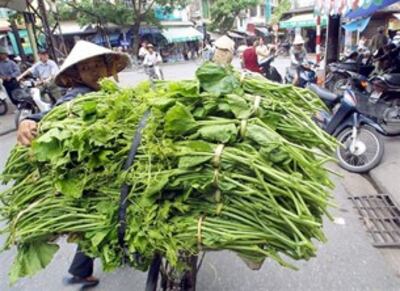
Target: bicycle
x,y
162,276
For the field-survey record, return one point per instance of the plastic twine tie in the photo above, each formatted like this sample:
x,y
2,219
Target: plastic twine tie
x,y
199,228
257,103
243,127
216,160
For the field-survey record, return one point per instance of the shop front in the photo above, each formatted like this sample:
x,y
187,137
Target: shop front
x,y
305,25
180,43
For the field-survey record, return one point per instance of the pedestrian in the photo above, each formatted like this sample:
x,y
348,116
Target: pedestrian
x,y
249,57
224,50
44,71
298,56
84,67
9,71
143,50
379,40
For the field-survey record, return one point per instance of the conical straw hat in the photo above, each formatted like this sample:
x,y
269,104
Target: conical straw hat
x,y
84,50
225,43
298,39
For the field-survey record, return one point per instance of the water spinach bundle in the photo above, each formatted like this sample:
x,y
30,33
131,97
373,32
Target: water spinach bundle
x,y
227,161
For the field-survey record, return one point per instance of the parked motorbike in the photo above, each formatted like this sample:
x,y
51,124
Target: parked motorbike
x,y
307,75
269,71
3,99
31,100
340,72
361,146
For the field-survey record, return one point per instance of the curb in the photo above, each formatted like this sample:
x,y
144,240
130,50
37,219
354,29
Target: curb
x,y
2,133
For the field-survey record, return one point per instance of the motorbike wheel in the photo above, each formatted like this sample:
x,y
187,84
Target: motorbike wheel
x,y
336,82
366,154
3,107
22,114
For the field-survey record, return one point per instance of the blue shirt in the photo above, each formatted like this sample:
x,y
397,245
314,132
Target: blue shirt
x,y
45,70
9,69
71,94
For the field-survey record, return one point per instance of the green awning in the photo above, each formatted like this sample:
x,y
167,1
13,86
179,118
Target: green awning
x,y
181,34
302,21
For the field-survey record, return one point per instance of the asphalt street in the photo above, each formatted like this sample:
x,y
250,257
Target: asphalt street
x,y
346,262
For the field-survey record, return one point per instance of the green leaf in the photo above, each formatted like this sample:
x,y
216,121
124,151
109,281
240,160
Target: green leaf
x,y
179,120
219,133
31,258
193,161
216,79
261,135
72,185
239,106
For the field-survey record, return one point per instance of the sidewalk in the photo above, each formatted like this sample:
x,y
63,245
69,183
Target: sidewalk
x,y
386,175
7,122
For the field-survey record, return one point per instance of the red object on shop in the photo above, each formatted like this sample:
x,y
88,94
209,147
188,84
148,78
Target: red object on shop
x,y
251,28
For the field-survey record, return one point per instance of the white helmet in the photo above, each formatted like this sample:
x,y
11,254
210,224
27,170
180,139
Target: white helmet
x,y
298,39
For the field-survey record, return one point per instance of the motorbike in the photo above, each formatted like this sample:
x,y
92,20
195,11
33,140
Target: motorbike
x,y
31,100
154,72
307,75
3,99
361,147
269,71
340,72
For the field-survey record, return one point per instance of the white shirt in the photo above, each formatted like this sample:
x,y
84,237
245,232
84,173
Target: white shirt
x,y
152,59
143,52
44,71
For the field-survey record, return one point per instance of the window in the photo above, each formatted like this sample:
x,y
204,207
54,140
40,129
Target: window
x,y
262,10
253,11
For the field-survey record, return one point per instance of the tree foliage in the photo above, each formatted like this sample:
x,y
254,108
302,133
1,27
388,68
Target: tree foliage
x,y
224,13
133,13
284,6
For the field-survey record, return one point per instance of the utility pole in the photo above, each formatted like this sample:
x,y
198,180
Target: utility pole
x,y
46,27
29,21
333,39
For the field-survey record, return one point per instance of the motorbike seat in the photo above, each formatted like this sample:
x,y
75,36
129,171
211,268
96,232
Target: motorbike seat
x,y
324,94
392,79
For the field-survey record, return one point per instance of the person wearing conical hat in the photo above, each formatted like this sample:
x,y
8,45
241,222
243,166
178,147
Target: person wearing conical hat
x,y
298,56
83,68
224,50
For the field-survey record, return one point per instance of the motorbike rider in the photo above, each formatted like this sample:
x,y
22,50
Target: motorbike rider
x,y
9,71
44,71
84,67
298,57
151,61
249,57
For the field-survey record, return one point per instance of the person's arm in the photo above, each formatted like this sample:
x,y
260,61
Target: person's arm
x,y
24,74
15,71
159,59
293,58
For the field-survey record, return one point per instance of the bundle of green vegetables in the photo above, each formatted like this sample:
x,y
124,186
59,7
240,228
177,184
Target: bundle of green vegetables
x,y
226,162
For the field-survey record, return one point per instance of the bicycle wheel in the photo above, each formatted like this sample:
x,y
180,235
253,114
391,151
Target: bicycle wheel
x,y
162,276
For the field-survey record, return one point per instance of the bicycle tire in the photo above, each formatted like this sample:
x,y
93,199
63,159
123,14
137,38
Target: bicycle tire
x,y
156,278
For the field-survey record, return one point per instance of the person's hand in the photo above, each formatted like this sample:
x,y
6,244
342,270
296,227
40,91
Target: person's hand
x,y
27,131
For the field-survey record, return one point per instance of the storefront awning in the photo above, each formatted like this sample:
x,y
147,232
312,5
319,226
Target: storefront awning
x,y
18,5
302,21
357,25
181,34
262,30
235,35
369,8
